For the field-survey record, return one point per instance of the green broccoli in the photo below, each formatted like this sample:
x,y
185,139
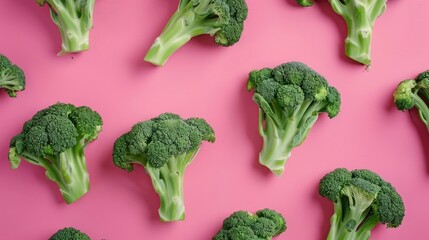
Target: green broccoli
x,y
362,199
164,146
414,93
55,139
360,17
290,98
69,234
221,18
12,78
242,225
74,19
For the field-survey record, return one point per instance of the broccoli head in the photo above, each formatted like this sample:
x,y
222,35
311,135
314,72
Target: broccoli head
x,y
242,225
55,139
222,19
360,17
290,98
414,93
69,233
12,78
74,19
362,199
164,146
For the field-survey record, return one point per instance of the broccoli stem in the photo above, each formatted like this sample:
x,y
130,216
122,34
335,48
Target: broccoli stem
x,y
423,110
168,183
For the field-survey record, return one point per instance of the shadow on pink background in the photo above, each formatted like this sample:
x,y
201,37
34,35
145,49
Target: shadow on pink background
x,y
208,81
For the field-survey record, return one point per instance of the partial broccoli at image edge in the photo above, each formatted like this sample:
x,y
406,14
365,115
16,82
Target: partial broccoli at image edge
x,y
222,19
362,200
74,19
69,233
55,139
164,146
290,98
12,78
414,93
360,17
242,225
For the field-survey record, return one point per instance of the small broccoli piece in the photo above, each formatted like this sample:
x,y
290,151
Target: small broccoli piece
x,y
360,17
290,98
74,19
55,139
362,199
414,93
164,146
242,225
222,19
69,233
12,78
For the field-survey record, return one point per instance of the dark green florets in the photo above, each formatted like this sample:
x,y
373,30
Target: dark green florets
x,y
12,78
69,234
230,31
403,96
242,225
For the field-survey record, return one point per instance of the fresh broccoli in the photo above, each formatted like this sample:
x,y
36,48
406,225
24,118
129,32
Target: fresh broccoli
x,y
55,139
242,225
290,98
69,234
164,146
360,17
12,78
414,93
221,18
362,199
74,20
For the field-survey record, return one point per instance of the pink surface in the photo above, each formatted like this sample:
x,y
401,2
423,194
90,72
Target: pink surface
x,y
207,81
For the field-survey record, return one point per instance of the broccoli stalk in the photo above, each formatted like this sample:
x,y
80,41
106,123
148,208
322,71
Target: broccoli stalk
x,y
12,78
290,98
74,19
360,17
222,18
362,200
55,139
164,146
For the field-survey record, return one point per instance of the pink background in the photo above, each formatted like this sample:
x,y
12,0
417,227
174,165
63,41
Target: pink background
x,y
207,81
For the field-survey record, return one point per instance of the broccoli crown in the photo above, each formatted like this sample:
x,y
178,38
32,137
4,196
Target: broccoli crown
x,y
55,129
403,95
242,225
12,78
69,233
384,201
230,31
159,139
291,84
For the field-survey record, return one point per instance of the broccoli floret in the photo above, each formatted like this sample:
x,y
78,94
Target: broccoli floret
x,y
414,93
290,98
74,19
55,139
12,78
222,19
242,225
362,199
69,233
164,146
360,17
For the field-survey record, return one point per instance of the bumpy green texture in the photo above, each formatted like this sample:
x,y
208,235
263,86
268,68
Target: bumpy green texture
x,y
362,199
242,225
55,139
360,16
414,93
69,234
290,98
222,19
74,19
164,146
12,78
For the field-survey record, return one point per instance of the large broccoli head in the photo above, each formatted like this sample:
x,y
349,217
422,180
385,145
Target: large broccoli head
x,y
55,139
242,225
12,78
290,98
69,233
